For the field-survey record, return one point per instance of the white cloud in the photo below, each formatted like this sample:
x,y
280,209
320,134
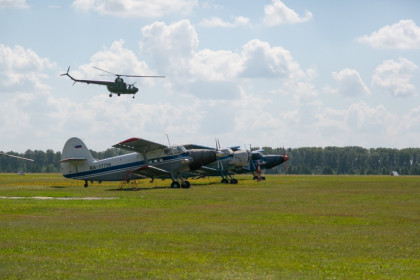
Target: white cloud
x,y
278,13
262,60
301,91
19,4
217,22
395,77
349,83
22,68
404,35
216,65
411,121
170,46
358,123
174,49
137,8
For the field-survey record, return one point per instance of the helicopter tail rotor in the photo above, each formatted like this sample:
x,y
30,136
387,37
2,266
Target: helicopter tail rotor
x,y
67,73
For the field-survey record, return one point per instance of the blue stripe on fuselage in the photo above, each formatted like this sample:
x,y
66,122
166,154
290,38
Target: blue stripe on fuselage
x,y
138,164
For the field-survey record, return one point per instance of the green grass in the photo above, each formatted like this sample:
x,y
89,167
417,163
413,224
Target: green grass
x,y
288,227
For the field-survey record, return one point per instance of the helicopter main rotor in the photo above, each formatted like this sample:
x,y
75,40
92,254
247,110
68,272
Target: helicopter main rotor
x,y
122,75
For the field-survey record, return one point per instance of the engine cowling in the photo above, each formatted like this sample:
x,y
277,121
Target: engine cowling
x,y
201,157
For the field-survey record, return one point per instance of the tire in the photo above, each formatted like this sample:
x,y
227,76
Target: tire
x,y
186,185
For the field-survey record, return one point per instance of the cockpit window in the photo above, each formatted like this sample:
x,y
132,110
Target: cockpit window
x,y
174,150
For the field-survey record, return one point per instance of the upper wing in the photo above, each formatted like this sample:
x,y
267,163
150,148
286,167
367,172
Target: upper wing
x,y
195,146
139,145
8,155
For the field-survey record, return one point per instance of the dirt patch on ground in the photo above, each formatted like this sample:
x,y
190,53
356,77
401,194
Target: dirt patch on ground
x,y
58,198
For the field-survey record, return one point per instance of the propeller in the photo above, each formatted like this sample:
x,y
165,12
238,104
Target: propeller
x,y
256,170
285,158
122,75
251,164
219,163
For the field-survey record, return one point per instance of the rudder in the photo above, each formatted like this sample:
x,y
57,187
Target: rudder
x,y
75,149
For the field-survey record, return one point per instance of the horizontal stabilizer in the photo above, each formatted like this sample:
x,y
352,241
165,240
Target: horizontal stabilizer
x,y
72,159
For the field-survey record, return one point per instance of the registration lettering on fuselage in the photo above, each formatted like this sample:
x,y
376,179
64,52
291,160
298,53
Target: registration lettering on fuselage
x,y
99,166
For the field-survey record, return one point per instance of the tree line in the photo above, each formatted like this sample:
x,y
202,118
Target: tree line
x,y
306,160
348,161
44,162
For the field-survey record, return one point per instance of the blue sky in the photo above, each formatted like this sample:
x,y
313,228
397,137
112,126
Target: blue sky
x,y
267,73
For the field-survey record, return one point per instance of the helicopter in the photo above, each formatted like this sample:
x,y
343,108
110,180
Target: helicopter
x,y
117,87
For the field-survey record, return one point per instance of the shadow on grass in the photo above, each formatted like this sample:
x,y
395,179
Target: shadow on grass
x,y
59,187
137,189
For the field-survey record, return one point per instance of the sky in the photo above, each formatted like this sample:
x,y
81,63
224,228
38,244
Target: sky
x,y
271,73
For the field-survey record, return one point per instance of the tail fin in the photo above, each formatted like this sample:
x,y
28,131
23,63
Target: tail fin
x,y
76,150
75,158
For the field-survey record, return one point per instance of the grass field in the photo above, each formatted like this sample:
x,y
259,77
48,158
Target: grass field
x,y
287,227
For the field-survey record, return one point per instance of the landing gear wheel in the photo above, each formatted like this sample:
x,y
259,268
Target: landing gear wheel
x,y
224,181
233,181
186,185
110,95
86,184
175,185
118,94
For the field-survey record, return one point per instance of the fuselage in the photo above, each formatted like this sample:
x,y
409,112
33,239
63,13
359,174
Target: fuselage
x,y
230,161
122,167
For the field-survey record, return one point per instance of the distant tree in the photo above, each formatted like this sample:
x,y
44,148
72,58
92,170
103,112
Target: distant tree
x,y
305,160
